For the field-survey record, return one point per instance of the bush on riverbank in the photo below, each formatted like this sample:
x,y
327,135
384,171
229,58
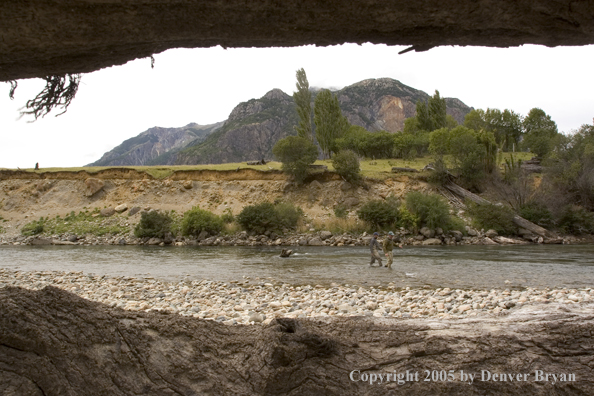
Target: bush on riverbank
x,y
431,210
153,224
380,213
267,217
493,217
576,220
197,220
33,228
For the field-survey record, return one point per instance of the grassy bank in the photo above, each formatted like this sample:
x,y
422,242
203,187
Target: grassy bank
x,y
378,169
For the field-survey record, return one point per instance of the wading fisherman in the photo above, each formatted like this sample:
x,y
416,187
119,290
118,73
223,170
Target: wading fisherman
x,y
388,246
374,246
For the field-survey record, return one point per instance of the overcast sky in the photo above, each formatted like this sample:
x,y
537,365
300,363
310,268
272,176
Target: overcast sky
x,y
204,85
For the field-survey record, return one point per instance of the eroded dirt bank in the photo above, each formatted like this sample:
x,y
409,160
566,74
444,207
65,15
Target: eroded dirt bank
x,y
26,196
55,343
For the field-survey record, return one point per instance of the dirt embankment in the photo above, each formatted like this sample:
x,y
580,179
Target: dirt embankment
x,y
26,196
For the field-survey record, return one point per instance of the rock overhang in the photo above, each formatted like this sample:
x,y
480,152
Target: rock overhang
x,y
41,38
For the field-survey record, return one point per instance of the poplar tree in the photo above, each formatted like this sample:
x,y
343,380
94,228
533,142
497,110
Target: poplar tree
x,y
329,121
302,99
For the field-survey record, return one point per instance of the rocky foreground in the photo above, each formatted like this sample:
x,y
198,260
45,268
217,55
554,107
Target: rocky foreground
x,y
252,301
55,343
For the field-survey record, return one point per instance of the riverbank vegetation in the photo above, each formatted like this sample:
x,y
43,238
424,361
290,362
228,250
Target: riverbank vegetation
x,y
87,222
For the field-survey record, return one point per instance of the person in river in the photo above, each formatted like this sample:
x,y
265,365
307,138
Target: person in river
x,y
388,246
374,246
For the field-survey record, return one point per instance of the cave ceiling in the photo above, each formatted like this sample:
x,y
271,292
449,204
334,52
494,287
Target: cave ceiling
x,y
45,37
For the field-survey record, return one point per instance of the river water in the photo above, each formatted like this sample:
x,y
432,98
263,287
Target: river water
x,y
478,267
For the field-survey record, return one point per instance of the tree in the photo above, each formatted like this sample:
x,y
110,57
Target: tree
x,y
302,99
505,125
432,116
346,164
329,121
540,132
296,153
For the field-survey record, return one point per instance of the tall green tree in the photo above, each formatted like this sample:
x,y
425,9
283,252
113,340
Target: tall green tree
x,y
302,99
329,121
540,132
432,115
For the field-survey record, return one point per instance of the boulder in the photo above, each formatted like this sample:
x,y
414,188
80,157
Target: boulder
x,y
427,232
203,235
491,233
133,210
93,186
315,241
488,241
432,241
121,208
188,184
325,235
457,235
471,231
107,212
154,241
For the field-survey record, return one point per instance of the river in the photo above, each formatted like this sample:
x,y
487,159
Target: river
x,y
478,267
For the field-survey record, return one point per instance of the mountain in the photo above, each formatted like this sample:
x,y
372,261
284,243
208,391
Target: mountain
x,y
152,146
254,127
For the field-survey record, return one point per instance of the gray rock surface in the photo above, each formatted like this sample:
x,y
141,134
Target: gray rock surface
x,y
56,343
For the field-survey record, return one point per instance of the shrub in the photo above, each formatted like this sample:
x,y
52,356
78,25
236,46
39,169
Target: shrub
x,y
197,220
341,212
227,216
431,209
153,224
296,154
346,164
537,213
576,220
496,217
287,215
32,228
407,219
379,213
267,216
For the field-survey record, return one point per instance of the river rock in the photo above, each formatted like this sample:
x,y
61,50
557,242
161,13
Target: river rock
x,y
457,235
316,241
488,241
471,231
325,235
154,241
432,241
427,232
491,234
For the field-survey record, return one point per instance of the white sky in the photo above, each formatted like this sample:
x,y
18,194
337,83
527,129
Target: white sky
x,y
204,85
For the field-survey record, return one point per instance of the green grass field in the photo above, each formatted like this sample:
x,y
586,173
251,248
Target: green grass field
x,y
378,169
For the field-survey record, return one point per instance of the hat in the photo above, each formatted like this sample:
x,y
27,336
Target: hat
x,y
390,233
376,233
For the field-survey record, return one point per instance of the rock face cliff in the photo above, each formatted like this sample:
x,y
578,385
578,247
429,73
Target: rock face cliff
x,y
154,145
255,126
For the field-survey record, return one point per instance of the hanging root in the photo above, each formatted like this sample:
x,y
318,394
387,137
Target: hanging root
x,y
58,92
13,87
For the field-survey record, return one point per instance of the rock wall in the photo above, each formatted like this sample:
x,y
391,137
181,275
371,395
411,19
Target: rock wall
x,y
55,343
